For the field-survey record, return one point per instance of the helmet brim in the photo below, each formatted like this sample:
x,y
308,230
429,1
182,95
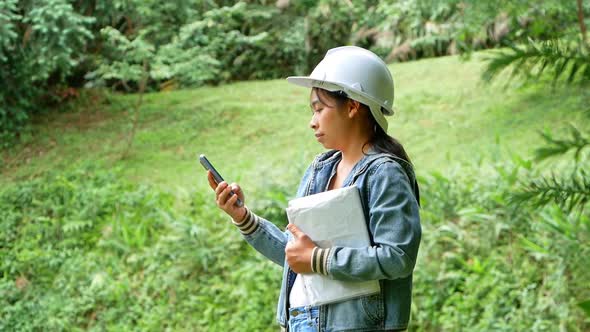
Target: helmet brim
x,y
309,82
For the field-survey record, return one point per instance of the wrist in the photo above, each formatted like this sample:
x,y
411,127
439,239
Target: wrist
x,y
248,224
242,216
319,260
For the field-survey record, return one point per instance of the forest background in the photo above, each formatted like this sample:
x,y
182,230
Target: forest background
x,y
106,221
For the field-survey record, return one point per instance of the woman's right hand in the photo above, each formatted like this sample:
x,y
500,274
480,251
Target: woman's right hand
x,y
226,202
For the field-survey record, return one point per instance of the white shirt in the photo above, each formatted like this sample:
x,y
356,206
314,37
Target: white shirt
x,y
298,295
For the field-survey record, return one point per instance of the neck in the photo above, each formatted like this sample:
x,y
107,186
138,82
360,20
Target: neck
x,y
354,147
353,151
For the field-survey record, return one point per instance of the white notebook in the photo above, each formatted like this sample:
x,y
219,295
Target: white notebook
x,y
333,218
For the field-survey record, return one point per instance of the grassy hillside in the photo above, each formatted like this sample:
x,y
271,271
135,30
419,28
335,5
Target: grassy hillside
x,y
90,241
444,116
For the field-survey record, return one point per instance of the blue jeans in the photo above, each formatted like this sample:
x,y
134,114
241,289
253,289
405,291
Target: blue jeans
x,y
304,319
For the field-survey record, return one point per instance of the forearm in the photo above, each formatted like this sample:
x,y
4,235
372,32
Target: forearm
x,y
263,236
358,264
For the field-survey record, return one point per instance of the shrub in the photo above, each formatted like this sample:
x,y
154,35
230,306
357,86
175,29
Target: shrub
x,y
488,264
40,42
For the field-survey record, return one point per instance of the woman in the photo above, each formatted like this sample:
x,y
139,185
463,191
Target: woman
x,y
351,91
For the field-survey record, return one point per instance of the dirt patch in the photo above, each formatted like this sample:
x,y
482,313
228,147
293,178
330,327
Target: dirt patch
x,y
83,111
21,283
13,160
426,123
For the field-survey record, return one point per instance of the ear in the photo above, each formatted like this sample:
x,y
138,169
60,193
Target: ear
x,y
354,108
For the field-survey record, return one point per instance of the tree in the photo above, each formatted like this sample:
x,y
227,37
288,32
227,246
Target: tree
x,y
41,42
562,195
132,65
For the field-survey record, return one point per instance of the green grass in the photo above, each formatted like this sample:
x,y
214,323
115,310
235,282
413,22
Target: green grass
x,y
257,130
87,249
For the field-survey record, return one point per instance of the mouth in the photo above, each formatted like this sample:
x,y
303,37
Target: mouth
x,y
318,135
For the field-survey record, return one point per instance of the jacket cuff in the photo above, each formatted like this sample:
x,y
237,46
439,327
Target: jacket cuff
x,y
249,224
319,260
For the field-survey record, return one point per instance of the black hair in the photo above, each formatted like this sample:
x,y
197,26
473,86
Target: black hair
x,y
380,140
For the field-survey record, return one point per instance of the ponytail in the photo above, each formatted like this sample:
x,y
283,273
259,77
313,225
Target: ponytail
x,y
384,143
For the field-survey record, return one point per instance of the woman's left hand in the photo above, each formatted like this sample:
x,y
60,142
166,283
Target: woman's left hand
x,y
298,251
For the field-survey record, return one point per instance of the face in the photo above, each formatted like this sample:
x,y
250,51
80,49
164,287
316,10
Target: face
x,y
330,121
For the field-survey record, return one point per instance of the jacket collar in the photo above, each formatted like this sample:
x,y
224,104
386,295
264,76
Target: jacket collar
x,y
333,156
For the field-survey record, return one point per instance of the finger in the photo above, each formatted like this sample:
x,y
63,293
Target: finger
x,y
220,187
288,249
211,179
297,233
223,196
237,190
231,201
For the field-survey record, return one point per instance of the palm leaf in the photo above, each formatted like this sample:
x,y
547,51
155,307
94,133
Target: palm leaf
x,y
569,193
556,58
555,147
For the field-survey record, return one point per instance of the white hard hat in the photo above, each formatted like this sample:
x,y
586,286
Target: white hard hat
x,y
360,73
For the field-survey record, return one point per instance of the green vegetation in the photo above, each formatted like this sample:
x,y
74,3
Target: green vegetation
x,y
90,241
86,250
444,115
106,219
50,49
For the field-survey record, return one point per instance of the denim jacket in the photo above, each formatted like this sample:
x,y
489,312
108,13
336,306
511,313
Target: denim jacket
x,y
390,198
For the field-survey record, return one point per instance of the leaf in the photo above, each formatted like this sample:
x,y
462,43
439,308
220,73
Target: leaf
x,y
585,305
535,59
530,245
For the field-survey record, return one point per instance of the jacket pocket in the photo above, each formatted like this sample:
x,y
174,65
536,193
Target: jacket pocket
x,y
373,308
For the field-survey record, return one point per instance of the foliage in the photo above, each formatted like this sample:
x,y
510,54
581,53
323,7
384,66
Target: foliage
x,y
558,58
132,66
85,250
423,27
414,29
243,41
127,64
561,59
563,196
52,276
136,257
212,46
186,43
568,192
328,24
49,48
490,265
556,146
41,42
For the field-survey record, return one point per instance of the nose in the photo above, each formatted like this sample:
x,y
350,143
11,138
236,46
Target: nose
x,y
313,124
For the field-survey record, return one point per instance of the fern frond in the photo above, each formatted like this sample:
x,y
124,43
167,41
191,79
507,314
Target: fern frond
x,y
568,192
561,59
555,147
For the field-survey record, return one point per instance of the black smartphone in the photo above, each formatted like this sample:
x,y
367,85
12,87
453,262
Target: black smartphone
x,y
208,166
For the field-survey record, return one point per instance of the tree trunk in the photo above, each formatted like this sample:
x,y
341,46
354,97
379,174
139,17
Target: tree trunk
x,y
142,85
581,21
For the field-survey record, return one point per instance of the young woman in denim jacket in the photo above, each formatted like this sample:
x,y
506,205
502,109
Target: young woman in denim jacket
x,y
351,91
